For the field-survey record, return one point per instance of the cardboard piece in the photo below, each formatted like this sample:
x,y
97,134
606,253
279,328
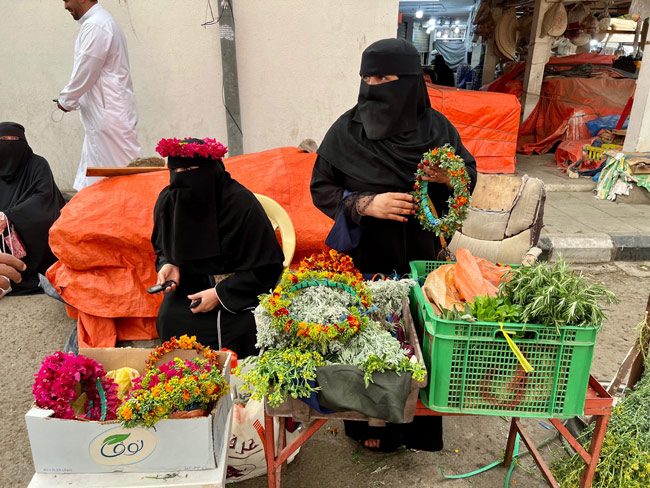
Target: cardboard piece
x,y
73,446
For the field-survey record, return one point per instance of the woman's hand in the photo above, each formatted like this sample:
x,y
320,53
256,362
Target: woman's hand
x,y
391,206
10,268
435,174
209,300
169,272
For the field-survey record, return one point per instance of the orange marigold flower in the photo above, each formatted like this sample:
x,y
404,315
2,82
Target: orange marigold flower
x,y
450,154
168,387
187,342
186,395
127,413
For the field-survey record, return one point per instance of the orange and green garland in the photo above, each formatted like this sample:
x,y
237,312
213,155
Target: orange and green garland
x,y
444,157
330,269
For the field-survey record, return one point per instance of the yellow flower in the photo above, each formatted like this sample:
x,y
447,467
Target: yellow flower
x,y
187,342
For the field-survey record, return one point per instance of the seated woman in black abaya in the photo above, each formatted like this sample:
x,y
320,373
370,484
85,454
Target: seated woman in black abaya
x,y
212,237
30,202
362,179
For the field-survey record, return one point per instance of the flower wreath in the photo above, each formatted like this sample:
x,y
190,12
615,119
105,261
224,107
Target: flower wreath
x,y
62,378
326,269
177,148
445,157
178,385
185,342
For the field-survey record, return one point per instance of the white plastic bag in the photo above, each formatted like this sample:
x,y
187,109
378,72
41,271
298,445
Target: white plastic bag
x,y
246,457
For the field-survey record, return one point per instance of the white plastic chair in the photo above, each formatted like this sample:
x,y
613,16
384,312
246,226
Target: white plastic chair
x,y
280,220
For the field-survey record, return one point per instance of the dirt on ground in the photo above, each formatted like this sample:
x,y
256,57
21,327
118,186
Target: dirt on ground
x,y
36,326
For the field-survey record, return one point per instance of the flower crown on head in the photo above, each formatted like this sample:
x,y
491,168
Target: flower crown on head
x,y
177,148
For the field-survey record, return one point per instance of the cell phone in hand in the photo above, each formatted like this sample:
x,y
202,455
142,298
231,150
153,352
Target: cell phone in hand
x,y
158,288
195,303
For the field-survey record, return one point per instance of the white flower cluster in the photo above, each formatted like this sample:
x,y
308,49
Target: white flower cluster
x,y
373,339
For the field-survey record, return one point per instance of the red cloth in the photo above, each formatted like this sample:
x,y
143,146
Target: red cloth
x,y
106,260
487,123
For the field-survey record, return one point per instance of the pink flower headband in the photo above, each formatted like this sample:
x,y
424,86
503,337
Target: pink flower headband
x,y
177,148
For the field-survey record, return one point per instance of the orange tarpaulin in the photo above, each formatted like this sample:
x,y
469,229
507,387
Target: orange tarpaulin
x,y
564,107
488,124
106,259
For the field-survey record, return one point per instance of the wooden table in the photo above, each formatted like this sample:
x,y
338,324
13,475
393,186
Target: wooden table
x,y
598,404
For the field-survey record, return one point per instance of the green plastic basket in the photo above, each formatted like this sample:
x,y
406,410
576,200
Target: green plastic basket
x,y
472,369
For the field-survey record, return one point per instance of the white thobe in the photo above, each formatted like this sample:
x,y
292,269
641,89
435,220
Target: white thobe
x,y
101,88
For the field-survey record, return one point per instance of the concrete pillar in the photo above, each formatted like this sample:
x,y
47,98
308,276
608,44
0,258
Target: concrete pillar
x,y
538,53
491,59
637,139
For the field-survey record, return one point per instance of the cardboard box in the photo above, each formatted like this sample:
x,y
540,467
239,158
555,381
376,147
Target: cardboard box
x,y
73,446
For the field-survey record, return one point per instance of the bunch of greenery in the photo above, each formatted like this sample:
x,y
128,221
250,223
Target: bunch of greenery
x,y
487,309
556,295
625,454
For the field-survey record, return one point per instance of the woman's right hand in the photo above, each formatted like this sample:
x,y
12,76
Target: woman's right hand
x,y
169,272
391,206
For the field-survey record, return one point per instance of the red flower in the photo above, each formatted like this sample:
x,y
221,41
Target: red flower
x,y
280,312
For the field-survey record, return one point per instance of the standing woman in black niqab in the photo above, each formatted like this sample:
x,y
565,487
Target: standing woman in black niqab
x,y
212,237
31,201
362,179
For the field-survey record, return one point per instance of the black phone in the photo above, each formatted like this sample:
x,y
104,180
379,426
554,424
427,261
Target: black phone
x,y
55,100
159,288
195,303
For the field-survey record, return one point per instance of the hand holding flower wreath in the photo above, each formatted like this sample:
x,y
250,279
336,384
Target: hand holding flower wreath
x,y
445,158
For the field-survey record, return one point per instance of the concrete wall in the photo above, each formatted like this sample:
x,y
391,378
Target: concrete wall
x,y
298,63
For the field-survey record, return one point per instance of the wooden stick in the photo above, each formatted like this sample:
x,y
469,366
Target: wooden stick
x,y
99,171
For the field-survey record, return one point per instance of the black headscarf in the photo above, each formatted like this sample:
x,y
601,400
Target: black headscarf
x,y
30,199
399,111
203,217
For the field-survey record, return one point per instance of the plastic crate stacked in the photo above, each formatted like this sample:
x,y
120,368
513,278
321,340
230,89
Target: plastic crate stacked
x,y
472,370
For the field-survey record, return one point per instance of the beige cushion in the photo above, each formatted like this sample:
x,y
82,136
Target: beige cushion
x,y
526,209
489,225
508,251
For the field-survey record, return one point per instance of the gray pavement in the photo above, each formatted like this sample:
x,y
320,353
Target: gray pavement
x,y
583,228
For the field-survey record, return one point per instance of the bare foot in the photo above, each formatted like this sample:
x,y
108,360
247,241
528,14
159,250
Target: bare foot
x,y
371,443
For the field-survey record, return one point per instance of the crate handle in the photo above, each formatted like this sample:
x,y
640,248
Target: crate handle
x,y
520,357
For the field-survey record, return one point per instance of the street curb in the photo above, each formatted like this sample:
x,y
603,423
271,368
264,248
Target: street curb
x,y
595,247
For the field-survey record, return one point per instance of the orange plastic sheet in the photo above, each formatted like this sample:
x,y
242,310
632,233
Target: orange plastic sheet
x,y
106,260
488,124
566,104
570,152
469,280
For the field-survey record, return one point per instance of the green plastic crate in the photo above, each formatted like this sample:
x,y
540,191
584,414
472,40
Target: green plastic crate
x,y
472,369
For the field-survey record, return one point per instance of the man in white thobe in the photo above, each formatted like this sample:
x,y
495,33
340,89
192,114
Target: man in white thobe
x,y
100,87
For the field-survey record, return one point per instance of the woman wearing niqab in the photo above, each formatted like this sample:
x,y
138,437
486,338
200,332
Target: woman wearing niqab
x,y
30,200
362,178
213,238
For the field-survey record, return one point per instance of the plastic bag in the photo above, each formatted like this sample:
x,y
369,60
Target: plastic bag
x,y
469,280
246,451
440,288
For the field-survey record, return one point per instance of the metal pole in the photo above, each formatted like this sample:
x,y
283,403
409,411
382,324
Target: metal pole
x,y
230,80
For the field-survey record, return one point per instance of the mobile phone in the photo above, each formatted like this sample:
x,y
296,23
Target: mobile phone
x,y
55,100
159,288
195,303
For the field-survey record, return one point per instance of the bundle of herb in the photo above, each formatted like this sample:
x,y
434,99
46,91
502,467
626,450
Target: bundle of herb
x,y
374,349
388,295
555,295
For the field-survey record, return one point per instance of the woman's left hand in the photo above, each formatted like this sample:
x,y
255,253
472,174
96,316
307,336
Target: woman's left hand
x,y
209,300
436,174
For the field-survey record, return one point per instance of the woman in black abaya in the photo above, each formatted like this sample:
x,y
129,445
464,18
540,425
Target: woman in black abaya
x,y
213,238
362,179
31,201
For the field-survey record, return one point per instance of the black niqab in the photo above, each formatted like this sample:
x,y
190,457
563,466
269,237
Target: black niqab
x,y
199,220
14,154
30,199
403,105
